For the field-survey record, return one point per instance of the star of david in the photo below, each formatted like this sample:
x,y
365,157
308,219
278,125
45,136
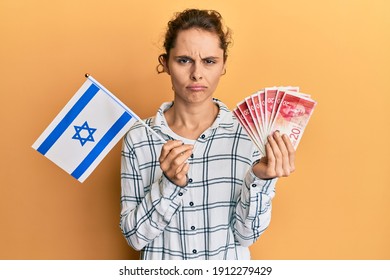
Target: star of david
x,y
84,133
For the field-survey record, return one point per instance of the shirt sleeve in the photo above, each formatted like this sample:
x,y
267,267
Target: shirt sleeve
x,y
253,211
145,210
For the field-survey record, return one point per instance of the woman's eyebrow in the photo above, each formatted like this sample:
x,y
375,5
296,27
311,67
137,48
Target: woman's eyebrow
x,y
212,57
183,57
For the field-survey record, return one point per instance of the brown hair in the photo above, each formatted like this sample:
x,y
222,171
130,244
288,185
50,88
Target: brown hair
x,y
208,20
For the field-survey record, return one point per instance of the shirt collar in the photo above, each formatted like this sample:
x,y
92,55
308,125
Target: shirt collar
x,y
224,118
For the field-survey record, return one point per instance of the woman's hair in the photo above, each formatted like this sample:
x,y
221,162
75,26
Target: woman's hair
x,y
208,20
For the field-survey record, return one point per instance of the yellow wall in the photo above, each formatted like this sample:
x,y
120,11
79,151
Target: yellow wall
x,y
336,205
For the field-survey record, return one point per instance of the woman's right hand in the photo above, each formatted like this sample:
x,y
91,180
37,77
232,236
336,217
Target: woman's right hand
x,y
173,161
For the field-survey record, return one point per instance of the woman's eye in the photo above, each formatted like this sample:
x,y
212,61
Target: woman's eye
x,y
183,60
209,61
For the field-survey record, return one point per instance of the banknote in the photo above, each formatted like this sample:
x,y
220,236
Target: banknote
x,y
278,98
293,115
275,108
257,114
245,114
269,96
255,138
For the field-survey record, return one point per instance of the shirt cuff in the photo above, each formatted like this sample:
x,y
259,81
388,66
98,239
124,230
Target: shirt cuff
x,y
170,190
255,184
167,198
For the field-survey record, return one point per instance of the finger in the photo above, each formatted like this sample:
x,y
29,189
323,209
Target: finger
x,y
180,152
269,161
165,162
180,155
280,142
278,166
177,173
270,156
167,147
181,175
284,154
182,170
176,157
291,152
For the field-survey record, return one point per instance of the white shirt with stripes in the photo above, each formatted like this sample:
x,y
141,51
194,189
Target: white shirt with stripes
x,y
223,209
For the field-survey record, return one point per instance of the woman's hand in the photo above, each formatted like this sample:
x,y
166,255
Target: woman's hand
x,y
279,160
173,161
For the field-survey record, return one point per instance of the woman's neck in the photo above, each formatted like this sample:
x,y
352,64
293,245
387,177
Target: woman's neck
x,y
191,121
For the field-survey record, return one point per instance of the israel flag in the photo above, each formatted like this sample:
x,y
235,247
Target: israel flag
x,y
85,130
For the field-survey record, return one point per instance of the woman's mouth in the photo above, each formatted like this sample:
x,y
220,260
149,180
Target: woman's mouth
x,y
196,87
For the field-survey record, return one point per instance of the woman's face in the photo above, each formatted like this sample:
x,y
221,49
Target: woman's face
x,y
195,65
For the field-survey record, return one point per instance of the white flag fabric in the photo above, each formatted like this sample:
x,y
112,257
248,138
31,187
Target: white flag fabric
x,y
85,130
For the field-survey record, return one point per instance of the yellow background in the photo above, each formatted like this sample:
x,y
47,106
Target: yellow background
x,y
336,204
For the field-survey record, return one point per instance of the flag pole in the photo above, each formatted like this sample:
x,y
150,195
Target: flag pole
x,y
88,76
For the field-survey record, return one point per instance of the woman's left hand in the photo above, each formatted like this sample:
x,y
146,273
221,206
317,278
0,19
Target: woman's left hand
x,y
279,160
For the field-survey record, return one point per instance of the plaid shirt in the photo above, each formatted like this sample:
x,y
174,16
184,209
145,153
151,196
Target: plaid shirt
x,y
223,209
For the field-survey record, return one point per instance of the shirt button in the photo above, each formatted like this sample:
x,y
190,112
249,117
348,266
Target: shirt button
x,y
191,203
203,136
194,251
254,185
180,193
192,227
190,180
192,155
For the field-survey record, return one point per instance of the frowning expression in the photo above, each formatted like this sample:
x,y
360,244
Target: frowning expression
x,y
195,64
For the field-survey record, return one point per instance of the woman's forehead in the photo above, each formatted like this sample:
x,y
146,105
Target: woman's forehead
x,y
195,41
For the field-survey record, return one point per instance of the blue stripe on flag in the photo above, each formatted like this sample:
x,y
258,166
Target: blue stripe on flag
x,y
68,119
101,145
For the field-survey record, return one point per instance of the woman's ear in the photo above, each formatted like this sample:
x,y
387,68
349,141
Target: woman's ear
x,y
163,59
223,69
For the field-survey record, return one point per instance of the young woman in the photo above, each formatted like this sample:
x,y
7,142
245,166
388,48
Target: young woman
x,y
205,193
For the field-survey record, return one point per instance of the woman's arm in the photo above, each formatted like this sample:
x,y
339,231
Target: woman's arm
x,y
253,212
145,210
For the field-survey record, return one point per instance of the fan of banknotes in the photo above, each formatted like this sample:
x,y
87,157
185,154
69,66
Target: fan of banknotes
x,y
275,108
